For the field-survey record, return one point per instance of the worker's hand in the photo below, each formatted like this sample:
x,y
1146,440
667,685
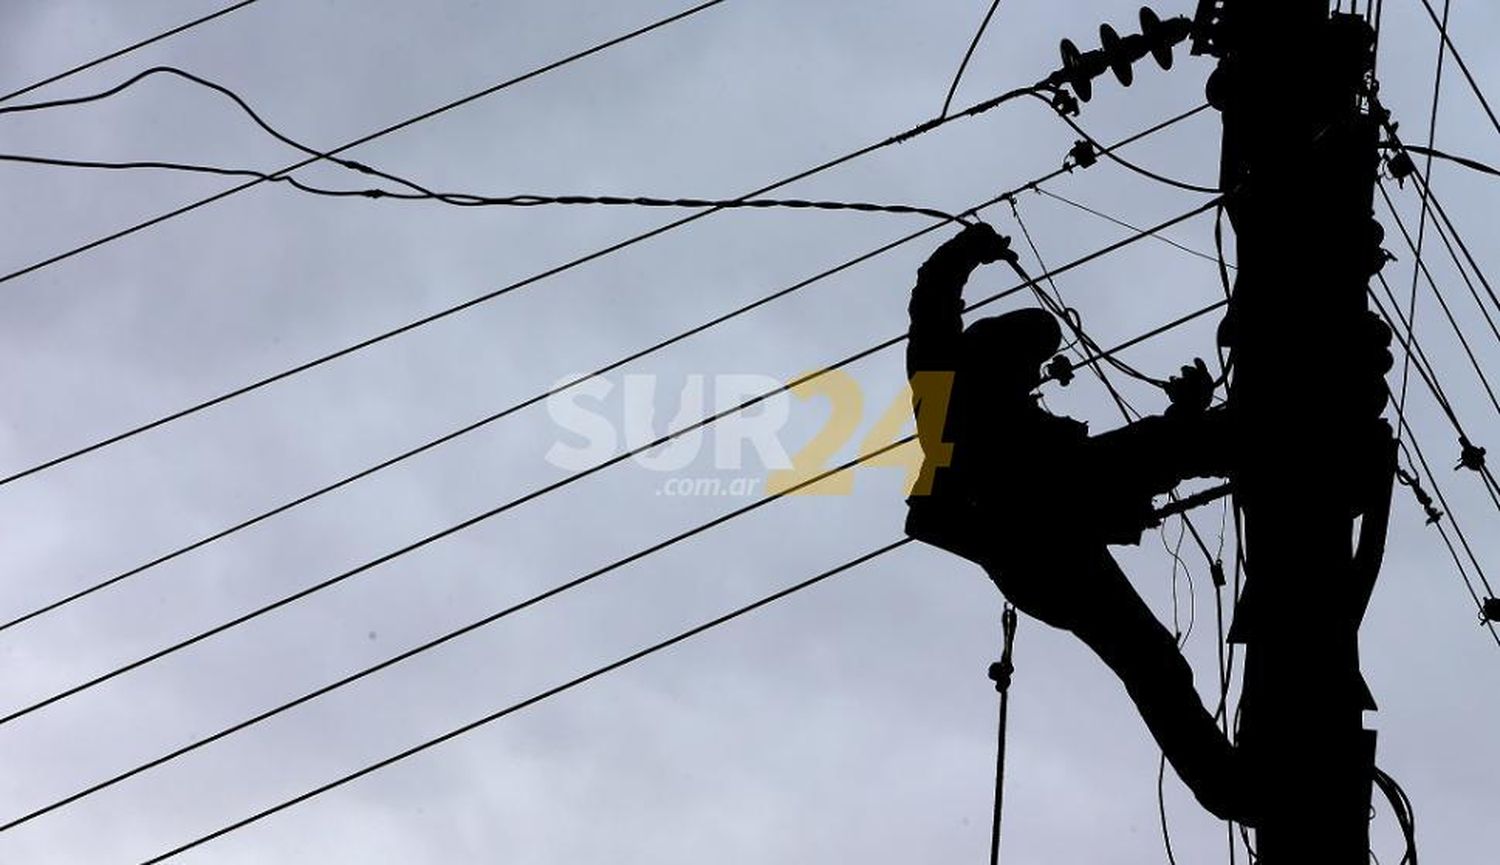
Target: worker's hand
x,y
977,244
1193,391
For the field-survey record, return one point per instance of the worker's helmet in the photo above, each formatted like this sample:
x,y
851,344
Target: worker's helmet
x,y
1008,350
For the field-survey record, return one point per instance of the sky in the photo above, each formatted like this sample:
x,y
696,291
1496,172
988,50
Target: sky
x,y
850,722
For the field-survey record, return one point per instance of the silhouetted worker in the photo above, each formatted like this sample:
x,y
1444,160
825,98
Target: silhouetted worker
x,y
1035,501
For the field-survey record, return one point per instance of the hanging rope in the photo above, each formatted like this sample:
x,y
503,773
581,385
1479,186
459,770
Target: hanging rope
x,y
1000,673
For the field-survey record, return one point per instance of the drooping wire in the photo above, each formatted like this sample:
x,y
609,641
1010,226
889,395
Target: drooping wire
x,y
419,192
1405,815
968,55
972,111
464,199
410,121
534,400
530,701
121,52
574,478
1146,173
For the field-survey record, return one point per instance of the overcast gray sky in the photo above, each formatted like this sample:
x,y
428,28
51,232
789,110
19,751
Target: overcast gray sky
x,y
853,722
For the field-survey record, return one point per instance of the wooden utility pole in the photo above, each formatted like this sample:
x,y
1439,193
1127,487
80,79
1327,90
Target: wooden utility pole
x,y
1312,459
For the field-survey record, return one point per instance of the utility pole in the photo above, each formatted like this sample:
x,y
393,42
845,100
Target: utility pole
x,y
1311,458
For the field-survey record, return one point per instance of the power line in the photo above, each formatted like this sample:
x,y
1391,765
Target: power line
x,y
530,701
1412,347
1144,172
1463,272
1121,223
1416,447
968,55
1465,161
506,412
488,296
532,601
426,115
469,428
1417,266
127,49
1422,270
1443,222
1459,59
476,625
577,476
465,199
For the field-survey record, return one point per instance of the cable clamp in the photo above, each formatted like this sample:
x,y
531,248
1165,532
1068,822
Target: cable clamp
x,y
1471,457
1084,154
1065,103
1425,500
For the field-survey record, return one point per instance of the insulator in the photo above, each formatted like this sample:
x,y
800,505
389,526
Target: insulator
x,y
1119,59
1161,36
1074,71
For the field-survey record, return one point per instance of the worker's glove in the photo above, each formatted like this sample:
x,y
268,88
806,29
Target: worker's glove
x,y
977,244
1192,392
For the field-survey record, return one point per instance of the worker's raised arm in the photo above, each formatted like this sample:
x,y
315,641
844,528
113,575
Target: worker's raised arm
x,y
937,300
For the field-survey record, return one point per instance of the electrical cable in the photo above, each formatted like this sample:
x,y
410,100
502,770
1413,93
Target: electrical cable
x,y
1463,272
968,55
1150,175
1001,673
488,296
580,475
448,637
420,193
1436,204
1429,377
495,617
1405,814
517,407
1120,222
1458,58
1422,270
1465,161
472,200
1417,265
530,701
166,34
1409,346
426,115
1410,446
